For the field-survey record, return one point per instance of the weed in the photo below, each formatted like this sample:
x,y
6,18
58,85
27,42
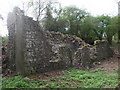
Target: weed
x,y
72,78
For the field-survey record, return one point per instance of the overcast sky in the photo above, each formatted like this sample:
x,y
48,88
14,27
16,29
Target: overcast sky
x,y
95,7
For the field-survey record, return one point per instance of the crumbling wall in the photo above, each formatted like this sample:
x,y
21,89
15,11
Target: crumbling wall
x,y
103,50
64,47
80,52
37,50
33,50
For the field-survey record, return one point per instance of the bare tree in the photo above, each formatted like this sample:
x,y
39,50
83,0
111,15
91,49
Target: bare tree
x,y
37,7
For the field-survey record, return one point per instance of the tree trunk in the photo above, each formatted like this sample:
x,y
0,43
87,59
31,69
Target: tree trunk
x,y
109,39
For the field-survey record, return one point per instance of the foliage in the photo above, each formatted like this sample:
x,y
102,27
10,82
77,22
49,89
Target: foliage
x,y
72,20
111,29
87,30
18,82
73,17
75,21
72,78
107,27
49,20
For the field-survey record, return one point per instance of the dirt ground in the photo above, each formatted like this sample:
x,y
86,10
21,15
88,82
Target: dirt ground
x,y
108,65
47,75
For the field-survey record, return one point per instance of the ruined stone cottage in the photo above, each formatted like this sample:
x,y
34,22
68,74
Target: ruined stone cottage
x,y
32,50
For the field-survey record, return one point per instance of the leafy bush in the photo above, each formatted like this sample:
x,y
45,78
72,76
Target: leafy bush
x,y
18,82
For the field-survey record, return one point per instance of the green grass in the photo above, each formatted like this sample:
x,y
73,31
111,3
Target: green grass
x,y
72,78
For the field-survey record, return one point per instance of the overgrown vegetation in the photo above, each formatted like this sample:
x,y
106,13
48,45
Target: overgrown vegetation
x,y
73,20
72,78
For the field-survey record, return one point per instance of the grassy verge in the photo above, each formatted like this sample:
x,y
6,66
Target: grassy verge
x,y
72,78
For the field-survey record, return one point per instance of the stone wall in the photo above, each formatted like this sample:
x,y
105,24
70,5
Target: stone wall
x,y
32,50
11,46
